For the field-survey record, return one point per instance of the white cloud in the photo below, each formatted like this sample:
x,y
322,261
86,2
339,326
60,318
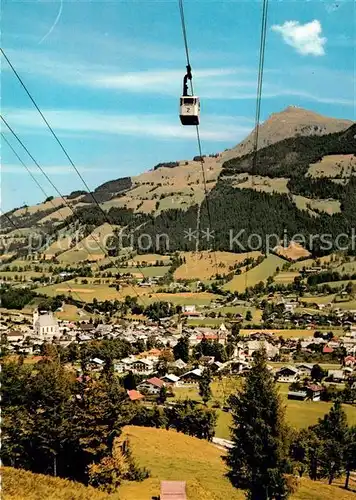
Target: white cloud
x,y
305,38
213,128
160,81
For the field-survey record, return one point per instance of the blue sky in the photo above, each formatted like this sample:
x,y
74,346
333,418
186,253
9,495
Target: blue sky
x,y
108,76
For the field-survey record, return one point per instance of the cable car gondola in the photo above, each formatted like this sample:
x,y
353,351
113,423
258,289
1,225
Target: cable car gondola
x,y
189,104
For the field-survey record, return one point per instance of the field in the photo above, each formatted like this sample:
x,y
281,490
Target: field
x,y
336,284
299,414
286,277
321,299
150,258
90,291
180,187
142,272
282,333
71,313
187,298
311,262
347,267
260,183
102,292
309,204
201,265
90,247
259,273
332,166
48,205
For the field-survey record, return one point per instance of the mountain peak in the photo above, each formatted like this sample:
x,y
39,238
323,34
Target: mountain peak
x,y
289,122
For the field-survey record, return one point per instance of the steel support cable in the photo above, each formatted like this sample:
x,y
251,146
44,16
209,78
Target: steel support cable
x,y
8,218
64,200
185,38
262,49
17,227
64,151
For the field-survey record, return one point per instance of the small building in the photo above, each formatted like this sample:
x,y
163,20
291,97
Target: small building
x,y
287,374
173,490
336,375
151,386
14,336
180,364
298,395
191,376
97,363
350,361
135,395
328,350
143,366
314,392
170,379
304,369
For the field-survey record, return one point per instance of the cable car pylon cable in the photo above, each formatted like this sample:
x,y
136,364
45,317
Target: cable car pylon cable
x,y
66,154
189,76
65,202
262,49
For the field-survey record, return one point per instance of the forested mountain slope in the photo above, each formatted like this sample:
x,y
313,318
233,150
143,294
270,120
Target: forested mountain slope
x,y
305,183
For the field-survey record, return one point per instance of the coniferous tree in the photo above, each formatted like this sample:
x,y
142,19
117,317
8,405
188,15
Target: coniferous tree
x,y
332,429
181,349
204,385
350,454
258,461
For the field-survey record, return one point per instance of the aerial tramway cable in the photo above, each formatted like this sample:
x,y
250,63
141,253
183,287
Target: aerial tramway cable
x,y
64,200
262,49
185,38
68,157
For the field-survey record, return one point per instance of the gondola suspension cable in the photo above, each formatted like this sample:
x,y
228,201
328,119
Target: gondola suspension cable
x,y
27,169
43,192
64,150
97,241
18,227
262,49
185,38
8,218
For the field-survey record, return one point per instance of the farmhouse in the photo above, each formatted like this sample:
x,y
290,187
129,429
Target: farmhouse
x,y
192,376
170,379
287,374
336,375
135,395
314,392
143,366
298,395
14,336
304,369
151,386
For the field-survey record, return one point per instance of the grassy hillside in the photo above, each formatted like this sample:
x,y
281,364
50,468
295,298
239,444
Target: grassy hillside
x,y
169,456
202,265
22,485
259,273
173,456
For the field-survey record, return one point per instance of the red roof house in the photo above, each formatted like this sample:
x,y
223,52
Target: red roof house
x,y
135,395
328,350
